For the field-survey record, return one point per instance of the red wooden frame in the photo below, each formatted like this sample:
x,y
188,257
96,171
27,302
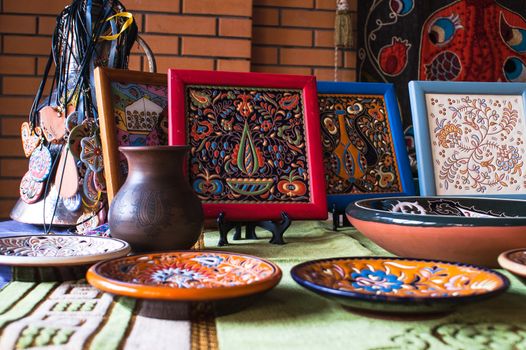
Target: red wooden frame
x,y
177,125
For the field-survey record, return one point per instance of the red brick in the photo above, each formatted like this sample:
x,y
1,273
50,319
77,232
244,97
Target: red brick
x,y
153,5
27,44
234,65
219,7
325,4
135,62
11,147
235,27
17,24
324,38
281,69
160,44
265,16
20,85
216,47
349,59
306,18
41,65
11,126
328,74
17,65
264,55
306,57
15,105
282,36
13,167
164,63
5,207
51,7
46,25
285,3
180,24
9,188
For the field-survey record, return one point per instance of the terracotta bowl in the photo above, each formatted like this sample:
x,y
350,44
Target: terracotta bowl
x,y
514,261
185,276
397,285
472,230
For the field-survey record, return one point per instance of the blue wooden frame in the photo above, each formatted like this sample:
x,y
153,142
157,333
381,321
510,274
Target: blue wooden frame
x,y
340,201
417,92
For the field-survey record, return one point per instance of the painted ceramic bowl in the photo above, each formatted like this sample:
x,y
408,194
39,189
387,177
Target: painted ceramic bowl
x,y
514,261
398,285
472,230
59,250
185,275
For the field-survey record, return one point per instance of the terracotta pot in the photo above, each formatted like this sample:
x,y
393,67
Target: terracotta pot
x,y
156,209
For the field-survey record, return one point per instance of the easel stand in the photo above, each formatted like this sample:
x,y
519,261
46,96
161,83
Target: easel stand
x,y
277,229
339,219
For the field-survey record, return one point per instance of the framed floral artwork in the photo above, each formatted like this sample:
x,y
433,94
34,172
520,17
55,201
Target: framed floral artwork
x,y
363,144
132,111
255,147
470,138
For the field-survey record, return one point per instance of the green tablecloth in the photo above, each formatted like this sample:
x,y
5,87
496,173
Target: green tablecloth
x,y
73,315
290,317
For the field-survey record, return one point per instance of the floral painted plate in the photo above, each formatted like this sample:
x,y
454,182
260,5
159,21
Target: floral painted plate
x,y
185,275
59,250
398,285
514,261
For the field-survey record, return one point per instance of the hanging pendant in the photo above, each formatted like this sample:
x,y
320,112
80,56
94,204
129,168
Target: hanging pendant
x,y
67,176
91,195
30,190
40,164
72,121
77,134
30,139
72,203
91,153
87,222
53,123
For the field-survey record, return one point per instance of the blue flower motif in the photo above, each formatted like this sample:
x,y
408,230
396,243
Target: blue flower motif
x,y
208,260
376,281
178,276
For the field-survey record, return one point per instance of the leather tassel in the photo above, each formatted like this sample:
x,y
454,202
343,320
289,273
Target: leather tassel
x,y
343,25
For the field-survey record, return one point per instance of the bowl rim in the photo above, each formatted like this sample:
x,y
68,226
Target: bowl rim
x,y
396,299
357,210
143,291
511,265
58,261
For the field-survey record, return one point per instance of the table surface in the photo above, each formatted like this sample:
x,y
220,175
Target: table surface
x,y
290,317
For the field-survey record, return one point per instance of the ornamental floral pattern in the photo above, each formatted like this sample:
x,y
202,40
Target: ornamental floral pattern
x,y
357,145
477,143
247,145
400,278
189,270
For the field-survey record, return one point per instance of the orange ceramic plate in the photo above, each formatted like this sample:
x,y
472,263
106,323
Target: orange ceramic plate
x,y
398,284
185,275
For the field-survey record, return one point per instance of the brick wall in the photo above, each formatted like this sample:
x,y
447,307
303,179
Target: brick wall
x,y
297,37
281,36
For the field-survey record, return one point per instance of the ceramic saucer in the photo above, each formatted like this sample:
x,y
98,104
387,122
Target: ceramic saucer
x,y
59,250
185,276
514,261
398,285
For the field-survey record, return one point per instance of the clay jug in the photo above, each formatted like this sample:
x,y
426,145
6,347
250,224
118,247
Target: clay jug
x,y
156,209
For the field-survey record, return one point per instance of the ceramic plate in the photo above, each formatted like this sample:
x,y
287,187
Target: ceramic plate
x,y
397,284
185,275
59,250
514,261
